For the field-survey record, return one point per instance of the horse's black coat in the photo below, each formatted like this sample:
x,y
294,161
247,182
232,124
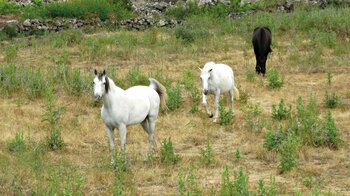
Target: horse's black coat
x,y
262,39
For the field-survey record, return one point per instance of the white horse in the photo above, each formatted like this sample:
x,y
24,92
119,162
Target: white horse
x,y
217,79
138,104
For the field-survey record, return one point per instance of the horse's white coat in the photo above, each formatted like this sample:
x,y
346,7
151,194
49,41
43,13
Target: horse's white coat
x,y
217,79
138,104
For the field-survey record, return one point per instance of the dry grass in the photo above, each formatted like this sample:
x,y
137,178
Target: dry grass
x,y
87,153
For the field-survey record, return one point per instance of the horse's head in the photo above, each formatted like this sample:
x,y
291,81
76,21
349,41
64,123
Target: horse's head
x,y
205,77
101,84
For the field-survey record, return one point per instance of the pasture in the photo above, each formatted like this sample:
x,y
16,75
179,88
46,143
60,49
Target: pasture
x,y
267,148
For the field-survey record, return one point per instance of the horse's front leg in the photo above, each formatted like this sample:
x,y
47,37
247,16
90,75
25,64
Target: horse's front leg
x,y
216,105
122,136
204,102
110,134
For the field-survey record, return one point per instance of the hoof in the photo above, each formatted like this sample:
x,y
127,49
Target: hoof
x,y
211,115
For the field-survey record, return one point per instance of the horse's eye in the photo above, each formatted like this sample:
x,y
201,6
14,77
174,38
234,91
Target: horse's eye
x,y
104,83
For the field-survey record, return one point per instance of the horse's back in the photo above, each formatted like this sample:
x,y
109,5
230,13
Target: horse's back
x,y
223,77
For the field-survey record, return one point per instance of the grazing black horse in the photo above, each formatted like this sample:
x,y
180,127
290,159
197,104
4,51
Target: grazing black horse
x,y
262,47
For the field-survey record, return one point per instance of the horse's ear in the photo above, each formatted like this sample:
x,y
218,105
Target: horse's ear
x,y
95,71
104,72
199,68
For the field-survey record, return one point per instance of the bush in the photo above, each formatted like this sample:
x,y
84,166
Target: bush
x,y
331,132
82,9
167,153
195,97
331,100
10,31
17,144
52,114
274,78
11,53
225,117
288,150
189,185
174,97
281,112
35,84
274,139
191,31
207,154
135,77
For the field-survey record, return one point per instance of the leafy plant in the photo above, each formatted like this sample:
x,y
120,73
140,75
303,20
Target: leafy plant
x,y
288,150
207,154
333,139
238,154
189,185
331,100
167,153
226,117
52,115
274,79
174,96
240,184
281,112
195,97
17,144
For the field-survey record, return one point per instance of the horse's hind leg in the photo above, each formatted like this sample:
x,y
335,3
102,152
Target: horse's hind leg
x,y
217,98
149,125
231,100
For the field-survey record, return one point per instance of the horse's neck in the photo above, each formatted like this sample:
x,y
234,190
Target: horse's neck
x,y
114,92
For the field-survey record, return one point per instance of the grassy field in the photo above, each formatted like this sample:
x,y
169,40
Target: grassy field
x,y
269,149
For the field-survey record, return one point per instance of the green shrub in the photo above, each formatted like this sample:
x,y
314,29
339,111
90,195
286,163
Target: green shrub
x,y
274,139
9,8
250,74
191,31
288,151
226,183
253,120
80,9
17,144
52,115
134,77
10,78
331,100
175,99
35,85
225,117
189,185
167,153
331,132
11,53
207,154
329,78
188,79
10,31
67,38
238,155
274,79
240,184
195,97
281,112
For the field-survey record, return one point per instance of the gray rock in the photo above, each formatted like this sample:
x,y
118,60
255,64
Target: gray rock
x,y
27,23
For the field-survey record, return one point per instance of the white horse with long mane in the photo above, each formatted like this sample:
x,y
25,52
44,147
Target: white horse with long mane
x,y
138,104
217,79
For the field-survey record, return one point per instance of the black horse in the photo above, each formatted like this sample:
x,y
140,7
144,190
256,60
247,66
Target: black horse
x,y
262,47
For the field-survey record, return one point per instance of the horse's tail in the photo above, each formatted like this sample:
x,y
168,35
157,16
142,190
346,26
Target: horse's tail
x,y
236,92
161,90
